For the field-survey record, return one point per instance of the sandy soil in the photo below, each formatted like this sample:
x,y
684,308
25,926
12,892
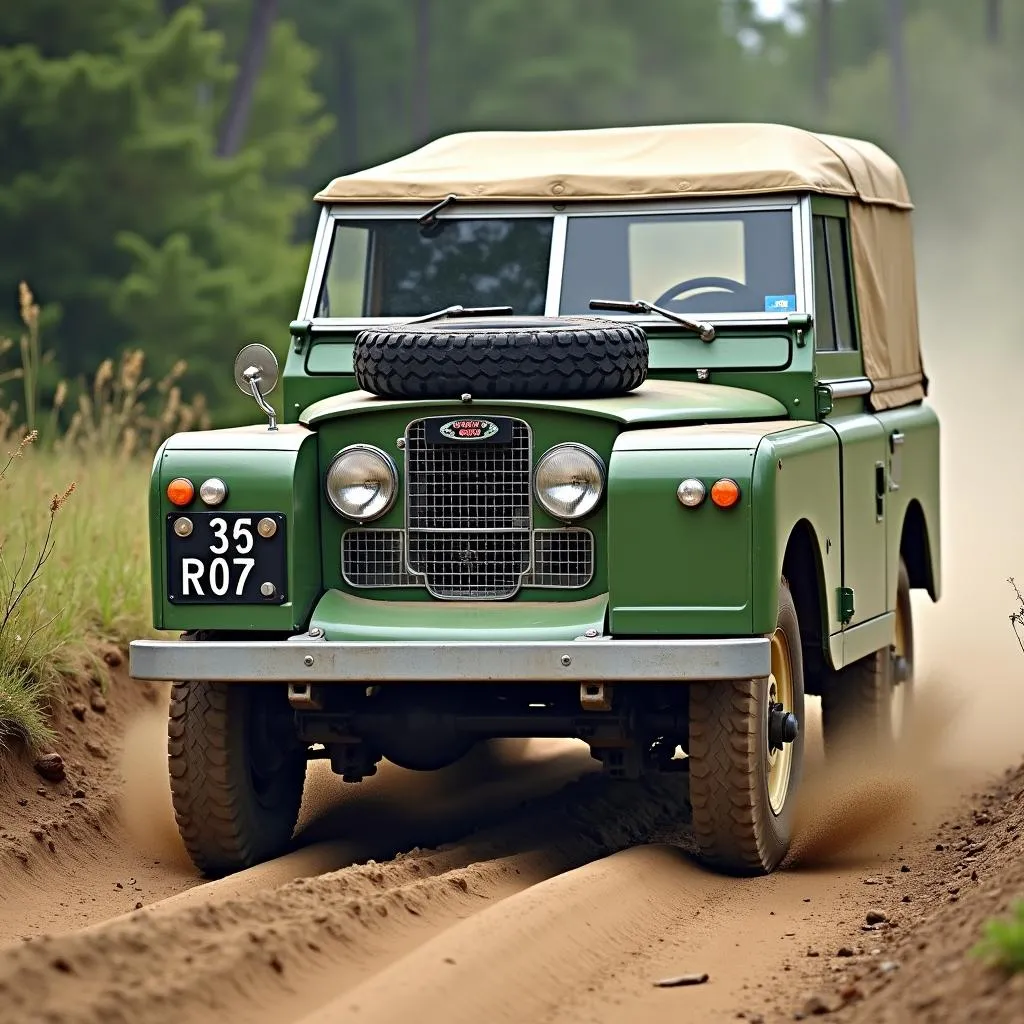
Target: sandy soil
x,y
519,885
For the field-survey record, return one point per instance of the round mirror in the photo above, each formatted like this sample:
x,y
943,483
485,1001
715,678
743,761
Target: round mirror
x,y
257,362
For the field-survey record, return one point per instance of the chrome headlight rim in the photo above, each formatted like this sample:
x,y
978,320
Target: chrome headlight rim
x,y
602,481
389,465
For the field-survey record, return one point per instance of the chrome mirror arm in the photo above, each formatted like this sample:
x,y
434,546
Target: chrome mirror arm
x,y
252,377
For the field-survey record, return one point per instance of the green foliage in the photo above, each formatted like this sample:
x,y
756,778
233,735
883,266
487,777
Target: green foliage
x,y
127,223
1003,942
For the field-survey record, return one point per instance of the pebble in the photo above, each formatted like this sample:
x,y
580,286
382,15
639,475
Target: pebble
x,y
98,703
888,966
816,1007
844,951
79,794
681,979
96,749
51,767
78,710
22,802
875,917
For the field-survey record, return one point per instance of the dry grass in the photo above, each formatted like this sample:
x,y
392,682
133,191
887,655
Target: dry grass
x,y
74,551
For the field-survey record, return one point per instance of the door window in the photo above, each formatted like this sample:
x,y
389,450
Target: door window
x,y
834,324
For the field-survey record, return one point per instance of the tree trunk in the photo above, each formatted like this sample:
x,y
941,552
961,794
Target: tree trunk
x,y
900,85
421,77
994,21
824,76
232,130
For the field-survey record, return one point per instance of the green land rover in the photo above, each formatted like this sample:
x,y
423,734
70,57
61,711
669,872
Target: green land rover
x,y
618,435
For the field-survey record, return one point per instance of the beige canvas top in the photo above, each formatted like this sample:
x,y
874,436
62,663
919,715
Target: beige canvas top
x,y
680,161
664,161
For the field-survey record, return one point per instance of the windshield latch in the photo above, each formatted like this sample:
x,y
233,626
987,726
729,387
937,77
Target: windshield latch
x,y
300,331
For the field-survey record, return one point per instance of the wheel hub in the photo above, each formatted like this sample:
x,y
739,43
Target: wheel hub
x,y
783,726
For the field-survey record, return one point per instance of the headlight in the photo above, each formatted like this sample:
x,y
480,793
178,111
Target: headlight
x,y
569,481
362,482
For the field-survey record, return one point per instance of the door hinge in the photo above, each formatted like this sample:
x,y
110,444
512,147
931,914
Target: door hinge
x,y
846,608
300,331
822,399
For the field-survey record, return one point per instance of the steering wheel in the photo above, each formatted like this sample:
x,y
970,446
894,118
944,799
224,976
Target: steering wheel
x,y
726,284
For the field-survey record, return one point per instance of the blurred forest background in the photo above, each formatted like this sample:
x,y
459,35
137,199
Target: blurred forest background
x,y
158,157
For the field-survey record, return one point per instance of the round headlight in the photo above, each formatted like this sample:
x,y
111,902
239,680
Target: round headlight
x,y
362,482
691,492
569,481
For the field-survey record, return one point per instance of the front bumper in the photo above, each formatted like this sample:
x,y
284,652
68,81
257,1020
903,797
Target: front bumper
x,y
305,659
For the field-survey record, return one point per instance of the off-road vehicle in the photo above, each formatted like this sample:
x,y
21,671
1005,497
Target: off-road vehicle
x,y
618,435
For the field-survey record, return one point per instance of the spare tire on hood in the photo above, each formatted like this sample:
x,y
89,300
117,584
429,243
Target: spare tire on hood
x,y
490,357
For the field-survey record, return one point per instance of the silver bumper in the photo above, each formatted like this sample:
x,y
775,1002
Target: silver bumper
x,y
307,660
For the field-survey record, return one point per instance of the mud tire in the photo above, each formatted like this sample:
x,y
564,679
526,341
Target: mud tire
x,y
541,357
858,701
236,798
736,830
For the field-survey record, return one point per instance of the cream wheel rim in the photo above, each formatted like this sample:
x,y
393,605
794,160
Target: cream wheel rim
x,y
780,691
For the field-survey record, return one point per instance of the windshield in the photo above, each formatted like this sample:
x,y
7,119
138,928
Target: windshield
x,y
382,268
697,263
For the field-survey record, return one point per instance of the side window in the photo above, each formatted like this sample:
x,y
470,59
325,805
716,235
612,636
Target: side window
x,y
834,327
839,265
824,329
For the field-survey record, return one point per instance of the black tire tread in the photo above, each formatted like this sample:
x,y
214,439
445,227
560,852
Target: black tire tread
x,y
222,827
730,815
563,358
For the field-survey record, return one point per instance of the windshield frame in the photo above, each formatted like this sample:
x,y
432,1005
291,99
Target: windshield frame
x,y
798,205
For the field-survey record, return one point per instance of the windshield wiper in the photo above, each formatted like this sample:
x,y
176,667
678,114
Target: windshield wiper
x,y
429,219
462,311
702,328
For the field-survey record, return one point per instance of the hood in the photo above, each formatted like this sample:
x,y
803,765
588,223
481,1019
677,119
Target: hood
x,y
655,401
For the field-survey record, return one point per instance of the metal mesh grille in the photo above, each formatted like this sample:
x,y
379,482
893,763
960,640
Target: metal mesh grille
x,y
375,558
562,559
468,513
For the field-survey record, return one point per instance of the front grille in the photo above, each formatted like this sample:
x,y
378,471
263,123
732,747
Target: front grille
x,y
562,559
375,558
468,514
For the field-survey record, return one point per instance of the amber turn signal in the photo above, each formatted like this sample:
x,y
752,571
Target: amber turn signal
x,y
180,491
725,493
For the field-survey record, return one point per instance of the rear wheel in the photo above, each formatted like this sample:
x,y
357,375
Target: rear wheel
x,y
745,760
237,773
868,704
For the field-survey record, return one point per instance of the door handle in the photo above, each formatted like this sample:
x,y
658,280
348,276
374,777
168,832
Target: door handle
x,y
896,440
879,491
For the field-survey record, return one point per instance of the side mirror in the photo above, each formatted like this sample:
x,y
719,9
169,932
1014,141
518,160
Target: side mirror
x,y
256,374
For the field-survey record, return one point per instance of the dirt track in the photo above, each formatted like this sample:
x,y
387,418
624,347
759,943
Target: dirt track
x,y
522,893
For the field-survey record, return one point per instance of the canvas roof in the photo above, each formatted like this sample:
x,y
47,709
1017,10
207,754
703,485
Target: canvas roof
x,y
662,161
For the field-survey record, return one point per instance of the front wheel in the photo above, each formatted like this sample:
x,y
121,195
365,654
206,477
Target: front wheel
x,y
237,773
746,754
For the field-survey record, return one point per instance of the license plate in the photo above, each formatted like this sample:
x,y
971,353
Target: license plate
x,y
225,560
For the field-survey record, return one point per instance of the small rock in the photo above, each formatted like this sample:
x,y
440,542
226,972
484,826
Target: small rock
x,y
98,703
813,952
974,876
138,906
96,749
62,965
118,885
939,847
844,951
50,846
78,710
51,767
79,794
888,966
113,658
681,979
851,994
755,1018
816,1007
905,899
37,834
904,868
953,890
22,802
875,917
275,962
40,791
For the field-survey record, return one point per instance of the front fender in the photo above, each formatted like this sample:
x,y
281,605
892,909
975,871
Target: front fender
x,y
266,471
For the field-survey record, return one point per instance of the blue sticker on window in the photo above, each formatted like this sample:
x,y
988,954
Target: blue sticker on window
x,y
780,303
